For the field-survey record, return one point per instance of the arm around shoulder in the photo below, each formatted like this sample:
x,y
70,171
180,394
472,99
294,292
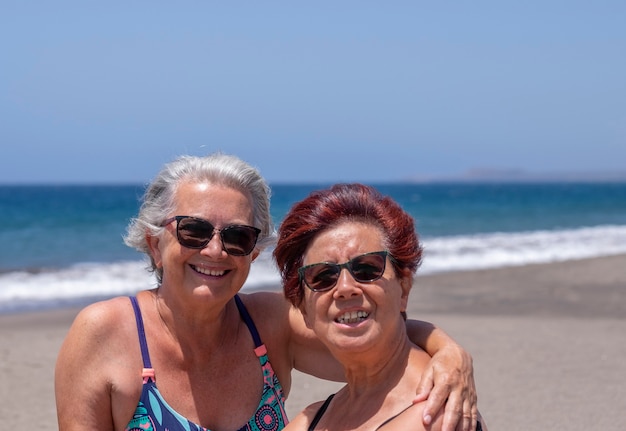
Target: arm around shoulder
x,y
448,381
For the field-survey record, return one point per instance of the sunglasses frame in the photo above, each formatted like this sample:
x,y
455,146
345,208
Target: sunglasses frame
x,y
178,218
347,265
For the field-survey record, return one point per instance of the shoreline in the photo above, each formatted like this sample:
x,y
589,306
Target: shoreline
x,y
547,342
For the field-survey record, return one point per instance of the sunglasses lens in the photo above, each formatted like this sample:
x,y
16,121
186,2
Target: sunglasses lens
x,y
367,267
194,233
364,269
239,240
321,276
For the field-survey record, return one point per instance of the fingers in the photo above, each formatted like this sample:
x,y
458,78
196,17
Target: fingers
x,y
425,386
452,414
449,389
436,400
470,407
460,411
469,415
474,415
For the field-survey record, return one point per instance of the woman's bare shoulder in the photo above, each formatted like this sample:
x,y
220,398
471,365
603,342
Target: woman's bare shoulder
x,y
267,308
304,418
267,299
103,318
411,418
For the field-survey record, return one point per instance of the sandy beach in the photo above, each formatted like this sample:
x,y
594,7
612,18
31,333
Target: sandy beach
x,y
548,342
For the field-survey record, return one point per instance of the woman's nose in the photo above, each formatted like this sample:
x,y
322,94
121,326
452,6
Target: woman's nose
x,y
346,285
214,246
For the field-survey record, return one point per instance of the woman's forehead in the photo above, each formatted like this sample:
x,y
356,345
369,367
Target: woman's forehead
x,y
344,240
204,198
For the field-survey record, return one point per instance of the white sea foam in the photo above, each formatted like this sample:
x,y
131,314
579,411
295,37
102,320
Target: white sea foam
x,y
19,290
466,252
25,290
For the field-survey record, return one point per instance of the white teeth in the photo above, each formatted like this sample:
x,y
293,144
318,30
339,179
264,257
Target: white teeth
x,y
211,272
353,317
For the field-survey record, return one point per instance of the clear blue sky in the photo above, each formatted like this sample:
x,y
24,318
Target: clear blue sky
x,y
311,91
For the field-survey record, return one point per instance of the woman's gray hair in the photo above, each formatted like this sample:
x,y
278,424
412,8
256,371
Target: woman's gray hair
x,y
217,168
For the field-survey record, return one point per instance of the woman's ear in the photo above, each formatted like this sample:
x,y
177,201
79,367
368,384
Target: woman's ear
x,y
155,251
255,253
305,315
406,283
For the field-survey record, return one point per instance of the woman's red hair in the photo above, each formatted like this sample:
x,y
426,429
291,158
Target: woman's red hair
x,y
325,208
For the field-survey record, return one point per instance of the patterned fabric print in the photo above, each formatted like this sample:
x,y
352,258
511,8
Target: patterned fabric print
x,y
270,416
141,420
154,414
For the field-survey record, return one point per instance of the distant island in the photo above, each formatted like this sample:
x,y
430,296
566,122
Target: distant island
x,y
519,175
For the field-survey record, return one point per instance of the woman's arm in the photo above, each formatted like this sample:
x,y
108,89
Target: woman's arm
x,y
448,381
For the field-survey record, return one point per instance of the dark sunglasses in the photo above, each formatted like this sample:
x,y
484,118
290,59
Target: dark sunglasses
x,y
194,232
364,268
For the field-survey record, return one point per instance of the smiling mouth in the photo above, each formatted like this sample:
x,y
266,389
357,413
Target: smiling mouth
x,y
211,272
352,317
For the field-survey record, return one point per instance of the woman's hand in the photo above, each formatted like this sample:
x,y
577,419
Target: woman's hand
x,y
448,383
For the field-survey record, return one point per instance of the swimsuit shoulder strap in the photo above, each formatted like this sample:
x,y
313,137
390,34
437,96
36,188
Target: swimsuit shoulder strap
x,y
320,413
243,312
145,355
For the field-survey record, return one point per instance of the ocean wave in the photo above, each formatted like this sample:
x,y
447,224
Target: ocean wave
x,y
481,251
84,282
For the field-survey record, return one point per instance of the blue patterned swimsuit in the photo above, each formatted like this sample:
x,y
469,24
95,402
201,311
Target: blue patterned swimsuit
x,y
154,414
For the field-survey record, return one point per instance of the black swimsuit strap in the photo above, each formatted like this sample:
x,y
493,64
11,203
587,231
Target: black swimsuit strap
x,y
320,413
324,406
393,417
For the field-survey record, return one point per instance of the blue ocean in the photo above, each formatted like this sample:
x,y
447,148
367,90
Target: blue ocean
x,y
62,245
